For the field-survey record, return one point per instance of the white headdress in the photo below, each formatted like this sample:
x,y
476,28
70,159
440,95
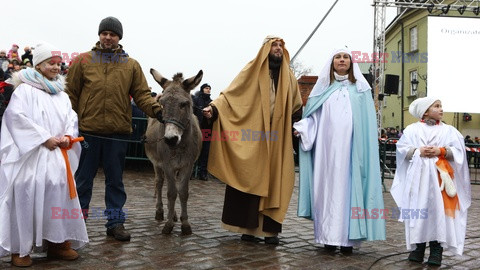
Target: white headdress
x,y
420,106
267,38
323,81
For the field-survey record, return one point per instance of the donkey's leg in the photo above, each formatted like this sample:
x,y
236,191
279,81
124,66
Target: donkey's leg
x,y
159,179
171,196
184,178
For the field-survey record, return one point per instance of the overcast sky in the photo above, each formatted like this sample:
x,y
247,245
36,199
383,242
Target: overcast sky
x,y
216,36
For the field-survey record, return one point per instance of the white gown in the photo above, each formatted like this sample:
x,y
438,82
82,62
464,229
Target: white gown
x,y
34,196
416,187
329,131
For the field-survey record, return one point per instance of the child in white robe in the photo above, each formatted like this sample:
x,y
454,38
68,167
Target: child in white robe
x,y
429,155
38,201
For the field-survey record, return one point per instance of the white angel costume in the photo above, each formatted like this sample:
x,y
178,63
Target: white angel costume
x,y
35,204
416,185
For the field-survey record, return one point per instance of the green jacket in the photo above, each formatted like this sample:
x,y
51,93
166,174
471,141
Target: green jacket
x,y
100,83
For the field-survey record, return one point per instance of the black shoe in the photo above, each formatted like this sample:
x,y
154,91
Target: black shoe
x,y
272,240
436,251
418,254
119,233
346,250
330,248
203,177
250,238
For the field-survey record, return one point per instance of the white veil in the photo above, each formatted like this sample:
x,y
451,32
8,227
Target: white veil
x,y
323,81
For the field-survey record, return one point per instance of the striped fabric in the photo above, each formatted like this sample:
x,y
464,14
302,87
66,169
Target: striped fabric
x,y
34,78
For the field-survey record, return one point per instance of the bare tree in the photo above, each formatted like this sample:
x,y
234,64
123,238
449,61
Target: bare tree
x,y
299,69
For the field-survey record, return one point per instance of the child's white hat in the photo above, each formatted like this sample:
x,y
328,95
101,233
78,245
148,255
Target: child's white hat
x,y
420,106
44,51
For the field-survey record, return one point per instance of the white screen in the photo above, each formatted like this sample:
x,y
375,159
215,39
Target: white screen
x,y
454,63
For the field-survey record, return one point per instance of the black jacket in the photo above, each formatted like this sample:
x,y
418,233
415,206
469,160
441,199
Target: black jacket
x,y
200,101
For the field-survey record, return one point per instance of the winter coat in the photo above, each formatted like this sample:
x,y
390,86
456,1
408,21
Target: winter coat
x,y
99,84
200,101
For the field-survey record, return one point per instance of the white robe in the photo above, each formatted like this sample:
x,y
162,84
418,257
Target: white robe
x,y
416,187
33,179
329,132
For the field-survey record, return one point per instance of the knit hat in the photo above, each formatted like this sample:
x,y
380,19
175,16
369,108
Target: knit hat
x,y
420,106
111,24
203,86
44,51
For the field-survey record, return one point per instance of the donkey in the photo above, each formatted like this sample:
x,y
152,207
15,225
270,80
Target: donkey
x,y
174,145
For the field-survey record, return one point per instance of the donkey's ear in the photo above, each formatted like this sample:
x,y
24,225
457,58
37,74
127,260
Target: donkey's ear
x,y
159,78
192,82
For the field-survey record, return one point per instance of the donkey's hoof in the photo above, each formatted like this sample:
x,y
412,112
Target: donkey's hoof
x,y
159,215
186,229
167,229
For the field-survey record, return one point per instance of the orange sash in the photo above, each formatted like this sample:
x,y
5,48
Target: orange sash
x,y
450,204
71,184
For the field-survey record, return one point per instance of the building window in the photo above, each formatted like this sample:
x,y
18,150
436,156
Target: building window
x,y
413,39
413,76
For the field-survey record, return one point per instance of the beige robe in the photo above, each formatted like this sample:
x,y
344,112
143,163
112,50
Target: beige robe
x,y
248,162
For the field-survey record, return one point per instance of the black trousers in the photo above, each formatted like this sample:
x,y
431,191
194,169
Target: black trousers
x,y
203,159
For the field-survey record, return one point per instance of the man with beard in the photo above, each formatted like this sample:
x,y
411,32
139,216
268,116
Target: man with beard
x,y
100,83
254,154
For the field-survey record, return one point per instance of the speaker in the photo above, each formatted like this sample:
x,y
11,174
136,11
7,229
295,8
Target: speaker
x,y
391,84
369,78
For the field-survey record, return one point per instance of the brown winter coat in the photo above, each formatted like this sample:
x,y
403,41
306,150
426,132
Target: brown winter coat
x,y
100,83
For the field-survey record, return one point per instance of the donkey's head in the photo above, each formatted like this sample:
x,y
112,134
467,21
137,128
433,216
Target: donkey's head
x,y
177,104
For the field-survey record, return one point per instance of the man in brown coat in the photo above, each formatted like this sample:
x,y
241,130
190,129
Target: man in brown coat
x,y
100,83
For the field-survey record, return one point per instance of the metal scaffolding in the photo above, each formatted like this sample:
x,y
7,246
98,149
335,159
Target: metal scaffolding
x,y
433,6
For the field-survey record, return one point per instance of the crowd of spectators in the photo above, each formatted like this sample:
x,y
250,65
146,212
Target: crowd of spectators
x,y
11,60
390,132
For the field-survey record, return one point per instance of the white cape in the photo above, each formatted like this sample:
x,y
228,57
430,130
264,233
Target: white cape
x,y
415,187
34,197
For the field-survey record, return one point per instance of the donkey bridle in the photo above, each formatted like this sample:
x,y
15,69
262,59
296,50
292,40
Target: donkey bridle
x,y
175,122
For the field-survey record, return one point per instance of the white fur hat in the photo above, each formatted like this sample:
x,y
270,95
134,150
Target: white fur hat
x,y
44,51
420,106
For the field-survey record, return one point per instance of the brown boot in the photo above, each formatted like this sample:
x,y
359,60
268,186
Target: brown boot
x,y
61,251
21,261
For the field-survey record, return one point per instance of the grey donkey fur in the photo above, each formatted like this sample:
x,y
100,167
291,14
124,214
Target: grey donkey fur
x,y
173,146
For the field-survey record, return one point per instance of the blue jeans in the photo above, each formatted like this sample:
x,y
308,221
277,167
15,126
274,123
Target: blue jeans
x,y
111,154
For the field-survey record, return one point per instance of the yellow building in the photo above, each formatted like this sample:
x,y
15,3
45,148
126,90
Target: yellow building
x,y
406,61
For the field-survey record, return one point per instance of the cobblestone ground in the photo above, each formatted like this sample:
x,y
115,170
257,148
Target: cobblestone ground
x,y
211,247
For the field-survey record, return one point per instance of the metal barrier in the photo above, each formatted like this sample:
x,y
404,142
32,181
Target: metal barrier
x,y
136,149
473,157
388,158
388,164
